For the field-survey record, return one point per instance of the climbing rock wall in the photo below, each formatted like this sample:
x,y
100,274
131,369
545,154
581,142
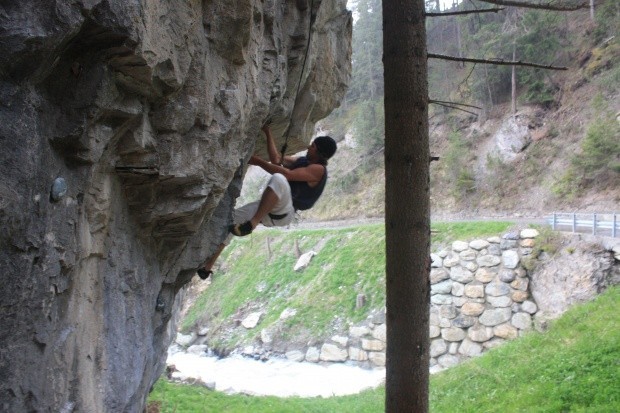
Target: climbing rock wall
x,y
147,111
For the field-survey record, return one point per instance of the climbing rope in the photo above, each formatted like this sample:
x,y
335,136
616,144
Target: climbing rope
x,y
301,74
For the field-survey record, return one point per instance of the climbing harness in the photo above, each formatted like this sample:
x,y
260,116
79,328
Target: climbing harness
x,y
301,74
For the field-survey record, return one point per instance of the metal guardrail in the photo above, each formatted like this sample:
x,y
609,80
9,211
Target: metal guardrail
x,y
607,224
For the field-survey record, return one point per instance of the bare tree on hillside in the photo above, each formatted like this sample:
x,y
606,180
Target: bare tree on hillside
x,y
511,27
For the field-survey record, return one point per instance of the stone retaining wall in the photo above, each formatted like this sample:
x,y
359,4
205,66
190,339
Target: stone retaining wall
x,y
479,299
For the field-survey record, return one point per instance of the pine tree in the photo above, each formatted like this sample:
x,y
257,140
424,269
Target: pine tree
x,y
367,70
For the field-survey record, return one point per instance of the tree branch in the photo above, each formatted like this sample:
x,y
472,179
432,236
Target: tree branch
x,y
453,107
545,6
453,103
499,62
456,13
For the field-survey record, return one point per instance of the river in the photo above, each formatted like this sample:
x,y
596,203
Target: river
x,y
274,377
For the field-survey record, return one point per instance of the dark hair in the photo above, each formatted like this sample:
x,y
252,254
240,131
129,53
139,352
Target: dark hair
x,y
325,146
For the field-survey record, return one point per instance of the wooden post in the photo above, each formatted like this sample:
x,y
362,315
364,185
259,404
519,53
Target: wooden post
x,y
594,224
269,247
360,301
297,250
574,222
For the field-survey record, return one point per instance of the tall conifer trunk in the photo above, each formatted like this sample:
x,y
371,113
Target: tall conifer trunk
x,y
407,212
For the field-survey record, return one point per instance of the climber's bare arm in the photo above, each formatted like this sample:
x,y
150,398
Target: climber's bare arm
x,y
274,155
311,173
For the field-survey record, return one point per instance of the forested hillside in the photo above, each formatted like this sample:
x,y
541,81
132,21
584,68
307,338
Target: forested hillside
x,y
511,139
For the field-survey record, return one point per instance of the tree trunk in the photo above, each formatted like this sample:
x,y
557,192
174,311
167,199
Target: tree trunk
x,y
488,82
514,79
458,41
407,212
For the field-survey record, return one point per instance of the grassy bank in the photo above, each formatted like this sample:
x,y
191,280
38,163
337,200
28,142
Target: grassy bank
x,y
573,367
258,275
180,398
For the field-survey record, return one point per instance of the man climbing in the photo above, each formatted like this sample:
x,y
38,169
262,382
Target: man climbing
x,y
296,183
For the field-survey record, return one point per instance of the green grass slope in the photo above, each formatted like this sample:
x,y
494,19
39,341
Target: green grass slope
x,y
259,276
573,367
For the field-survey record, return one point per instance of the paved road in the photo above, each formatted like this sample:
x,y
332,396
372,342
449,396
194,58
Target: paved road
x,y
604,239
357,221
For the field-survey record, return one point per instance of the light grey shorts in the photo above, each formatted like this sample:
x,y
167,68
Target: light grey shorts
x,y
282,189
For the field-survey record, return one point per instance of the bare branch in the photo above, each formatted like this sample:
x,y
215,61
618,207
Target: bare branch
x,y
468,76
499,62
546,6
453,103
453,107
456,13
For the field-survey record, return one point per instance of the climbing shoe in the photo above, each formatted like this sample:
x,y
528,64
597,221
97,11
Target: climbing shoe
x,y
204,274
241,230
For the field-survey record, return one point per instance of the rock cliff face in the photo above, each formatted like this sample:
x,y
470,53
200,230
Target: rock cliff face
x,y
147,110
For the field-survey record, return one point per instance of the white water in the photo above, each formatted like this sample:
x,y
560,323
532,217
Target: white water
x,y
276,377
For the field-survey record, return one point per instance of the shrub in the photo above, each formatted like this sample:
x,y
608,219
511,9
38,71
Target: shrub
x,y
607,22
539,90
494,176
466,183
549,241
567,185
600,150
369,124
457,172
599,158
